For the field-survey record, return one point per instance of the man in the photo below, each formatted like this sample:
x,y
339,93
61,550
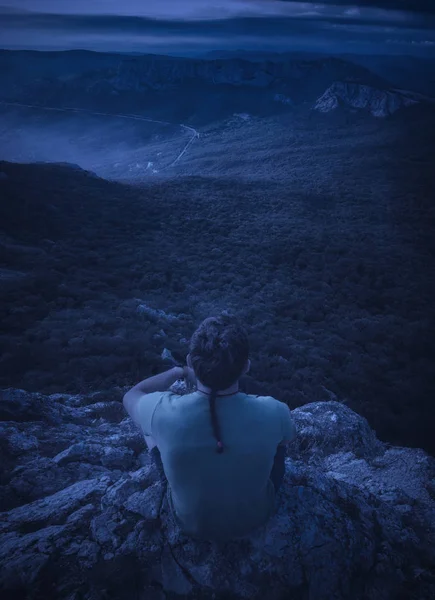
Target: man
x,y
221,451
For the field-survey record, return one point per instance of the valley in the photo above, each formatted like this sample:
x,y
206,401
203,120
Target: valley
x,y
191,187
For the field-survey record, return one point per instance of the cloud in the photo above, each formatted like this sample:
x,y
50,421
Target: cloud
x,y
159,9
417,6
221,9
162,25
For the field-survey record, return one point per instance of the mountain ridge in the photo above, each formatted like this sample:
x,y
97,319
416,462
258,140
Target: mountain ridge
x,y
163,72
174,88
379,103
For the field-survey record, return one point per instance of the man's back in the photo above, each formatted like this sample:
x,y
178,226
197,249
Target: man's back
x,y
218,496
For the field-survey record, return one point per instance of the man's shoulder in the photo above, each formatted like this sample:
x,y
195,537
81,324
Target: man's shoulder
x,y
171,402
263,399
266,403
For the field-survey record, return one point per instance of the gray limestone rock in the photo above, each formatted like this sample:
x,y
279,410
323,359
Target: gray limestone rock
x,y
380,103
85,515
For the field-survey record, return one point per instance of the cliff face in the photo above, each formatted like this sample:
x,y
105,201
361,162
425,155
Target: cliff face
x,y
379,102
301,80
199,89
85,514
167,72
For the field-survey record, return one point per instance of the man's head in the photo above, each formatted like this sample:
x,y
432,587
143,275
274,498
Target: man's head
x,y
218,352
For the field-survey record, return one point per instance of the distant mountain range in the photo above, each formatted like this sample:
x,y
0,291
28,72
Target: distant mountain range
x,y
199,90
402,71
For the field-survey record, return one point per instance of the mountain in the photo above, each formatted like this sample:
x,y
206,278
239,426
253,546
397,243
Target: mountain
x,y
404,72
197,90
172,87
415,73
261,55
378,102
151,71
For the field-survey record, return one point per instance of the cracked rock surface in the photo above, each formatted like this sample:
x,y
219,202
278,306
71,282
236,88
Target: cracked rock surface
x,y
85,516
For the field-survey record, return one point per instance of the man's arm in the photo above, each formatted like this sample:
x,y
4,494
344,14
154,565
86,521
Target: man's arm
x,y
156,383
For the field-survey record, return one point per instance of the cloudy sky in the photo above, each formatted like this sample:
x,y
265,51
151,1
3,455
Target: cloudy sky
x,y
196,26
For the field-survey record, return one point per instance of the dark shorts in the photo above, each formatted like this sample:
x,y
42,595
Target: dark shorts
x,y
276,475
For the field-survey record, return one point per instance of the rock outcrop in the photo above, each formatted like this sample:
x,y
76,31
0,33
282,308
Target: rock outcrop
x,y
84,513
378,102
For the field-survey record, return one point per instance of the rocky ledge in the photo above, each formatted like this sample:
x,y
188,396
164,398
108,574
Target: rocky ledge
x,y
84,514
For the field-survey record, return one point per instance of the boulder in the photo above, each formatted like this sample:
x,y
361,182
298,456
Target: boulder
x,y
85,514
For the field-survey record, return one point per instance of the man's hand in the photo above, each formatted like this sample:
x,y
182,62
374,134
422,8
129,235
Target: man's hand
x,y
156,383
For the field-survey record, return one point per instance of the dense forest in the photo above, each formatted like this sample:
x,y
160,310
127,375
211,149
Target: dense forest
x,y
336,289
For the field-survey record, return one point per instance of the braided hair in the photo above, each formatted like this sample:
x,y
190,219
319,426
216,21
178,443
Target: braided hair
x,y
215,421
218,350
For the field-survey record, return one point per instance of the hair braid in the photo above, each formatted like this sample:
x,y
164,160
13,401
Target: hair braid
x,y
218,349
214,421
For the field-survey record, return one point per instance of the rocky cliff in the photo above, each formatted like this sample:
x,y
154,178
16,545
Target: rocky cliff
x,y
378,102
85,513
163,72
300,80
178,89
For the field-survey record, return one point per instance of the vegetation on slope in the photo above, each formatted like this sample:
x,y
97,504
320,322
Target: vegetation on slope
x,y
333,285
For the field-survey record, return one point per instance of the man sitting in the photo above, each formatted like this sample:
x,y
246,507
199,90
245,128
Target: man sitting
x,y
222,451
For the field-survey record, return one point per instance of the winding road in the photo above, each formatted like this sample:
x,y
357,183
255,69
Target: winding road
x,y
194,132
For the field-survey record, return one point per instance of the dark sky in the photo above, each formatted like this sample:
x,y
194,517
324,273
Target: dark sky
x,y
196,26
